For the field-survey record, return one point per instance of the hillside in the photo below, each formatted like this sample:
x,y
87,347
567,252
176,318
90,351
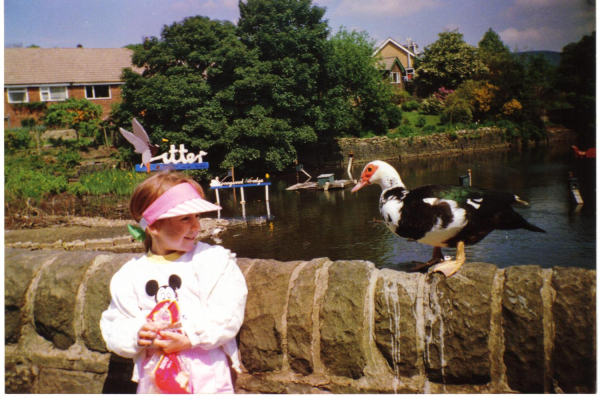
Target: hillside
x,y
552,56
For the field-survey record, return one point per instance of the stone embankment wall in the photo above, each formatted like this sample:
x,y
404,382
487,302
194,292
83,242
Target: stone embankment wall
x,y
383,148
324,326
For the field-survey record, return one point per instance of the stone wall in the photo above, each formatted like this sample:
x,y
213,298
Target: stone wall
x,y
383,148
324,326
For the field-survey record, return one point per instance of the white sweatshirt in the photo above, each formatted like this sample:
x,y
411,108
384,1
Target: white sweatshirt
x,y
212,300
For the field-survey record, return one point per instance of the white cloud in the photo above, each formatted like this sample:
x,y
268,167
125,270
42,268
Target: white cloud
x,y
531,38
399,8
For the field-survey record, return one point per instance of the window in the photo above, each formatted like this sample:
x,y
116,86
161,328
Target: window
x,y
394,77
17,95
97,92
53,93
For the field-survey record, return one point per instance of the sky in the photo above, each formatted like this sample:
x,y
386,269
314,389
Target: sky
x,y
523,25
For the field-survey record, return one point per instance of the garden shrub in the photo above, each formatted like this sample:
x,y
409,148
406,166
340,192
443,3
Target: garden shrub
x,y
430,128
432,105
69,159
406,131
410,106
399,96
421,121
22,184
16,139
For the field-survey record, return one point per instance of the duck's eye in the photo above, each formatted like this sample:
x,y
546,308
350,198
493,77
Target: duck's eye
x,y
369,169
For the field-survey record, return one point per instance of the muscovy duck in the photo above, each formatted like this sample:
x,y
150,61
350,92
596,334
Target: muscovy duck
x,y
441,215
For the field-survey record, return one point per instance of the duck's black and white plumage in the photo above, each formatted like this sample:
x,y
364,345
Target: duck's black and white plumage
x,y
442,215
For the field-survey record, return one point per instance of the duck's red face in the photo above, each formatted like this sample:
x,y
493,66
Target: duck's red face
x,y
365,177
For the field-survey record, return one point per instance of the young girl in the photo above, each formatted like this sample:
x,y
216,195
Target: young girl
x,y
205,281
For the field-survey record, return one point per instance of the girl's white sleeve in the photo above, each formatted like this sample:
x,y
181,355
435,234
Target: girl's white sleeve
x,y
123,319
222,314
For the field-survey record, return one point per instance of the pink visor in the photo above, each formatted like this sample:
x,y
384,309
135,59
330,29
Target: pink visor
x,y
180,200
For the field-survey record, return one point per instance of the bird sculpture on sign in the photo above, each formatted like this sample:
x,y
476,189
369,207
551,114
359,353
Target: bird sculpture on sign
x,y
442,215
141,142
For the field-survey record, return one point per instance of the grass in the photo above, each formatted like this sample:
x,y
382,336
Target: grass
x,y
116,182
414,116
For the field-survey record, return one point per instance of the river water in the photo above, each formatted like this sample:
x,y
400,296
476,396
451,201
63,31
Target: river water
x,y
303,225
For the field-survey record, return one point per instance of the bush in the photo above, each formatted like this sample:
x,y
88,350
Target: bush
x,y
430,128
398,96
421,121
406,131
16,139
69,159
77,189
23,184
410,106
432,105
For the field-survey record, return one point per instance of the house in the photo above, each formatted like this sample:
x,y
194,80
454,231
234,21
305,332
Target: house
x,y
398,61
34,77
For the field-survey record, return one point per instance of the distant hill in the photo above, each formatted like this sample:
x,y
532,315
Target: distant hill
x,y
552,56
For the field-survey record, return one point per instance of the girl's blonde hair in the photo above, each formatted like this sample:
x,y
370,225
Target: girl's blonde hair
x,y
151,189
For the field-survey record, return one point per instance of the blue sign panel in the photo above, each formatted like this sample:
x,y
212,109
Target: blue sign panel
x,y
170,166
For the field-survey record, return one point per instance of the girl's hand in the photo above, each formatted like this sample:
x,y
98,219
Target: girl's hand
x,y
147,334
174,342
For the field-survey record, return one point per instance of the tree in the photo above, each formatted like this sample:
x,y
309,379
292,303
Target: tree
x,y
492,45
356,96
252,95
183,94
78,114
279,94
577,83
447,63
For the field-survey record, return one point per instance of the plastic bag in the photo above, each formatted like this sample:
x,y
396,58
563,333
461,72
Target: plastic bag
x,y
166,372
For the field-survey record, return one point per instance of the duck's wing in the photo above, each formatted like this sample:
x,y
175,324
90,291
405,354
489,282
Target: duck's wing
x,y
140,145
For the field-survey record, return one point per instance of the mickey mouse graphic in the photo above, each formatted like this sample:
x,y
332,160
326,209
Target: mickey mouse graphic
x,y
166,311
169,375
165,292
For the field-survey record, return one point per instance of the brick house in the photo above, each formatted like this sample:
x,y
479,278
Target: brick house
x,y
398,61
34,76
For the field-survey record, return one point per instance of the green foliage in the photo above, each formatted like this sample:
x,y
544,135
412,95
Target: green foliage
x,y
28,123
116,182
77,189
432,105
16,139
398,96
410,106
457,110
421,121
21,183
251,95
447,63
78,114
69,159
577,85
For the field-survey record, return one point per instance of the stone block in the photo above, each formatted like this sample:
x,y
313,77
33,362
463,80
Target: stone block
x,y
457,325
97,299
395,320
56,296
261,334
122,240
53,381
98,244
522,313
24,265
19,377
299,321
574,313
342,315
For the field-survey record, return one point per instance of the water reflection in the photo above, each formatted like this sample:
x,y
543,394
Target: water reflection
x,y
340,225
